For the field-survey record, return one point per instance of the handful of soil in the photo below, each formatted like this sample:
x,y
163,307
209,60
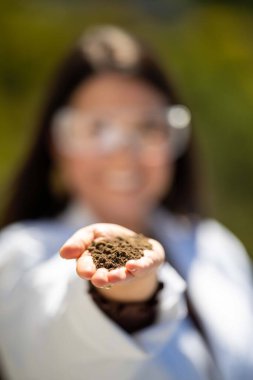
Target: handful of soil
x,y
114,253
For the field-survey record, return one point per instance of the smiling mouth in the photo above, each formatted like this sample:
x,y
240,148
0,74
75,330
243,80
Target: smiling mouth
x,y
122,181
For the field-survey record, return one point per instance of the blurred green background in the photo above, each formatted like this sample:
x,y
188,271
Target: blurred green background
x,y
207,45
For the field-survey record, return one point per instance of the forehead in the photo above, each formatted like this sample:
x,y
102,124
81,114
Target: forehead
x,y
111,90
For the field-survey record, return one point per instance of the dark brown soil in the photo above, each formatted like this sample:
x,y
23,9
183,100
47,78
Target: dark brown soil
x,y
114,253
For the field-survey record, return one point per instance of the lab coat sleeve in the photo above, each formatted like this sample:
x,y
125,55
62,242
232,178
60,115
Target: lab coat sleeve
x,y
49,326
221,248
221,288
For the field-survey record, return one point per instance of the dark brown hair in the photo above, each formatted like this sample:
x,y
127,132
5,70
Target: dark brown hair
x,y
102,49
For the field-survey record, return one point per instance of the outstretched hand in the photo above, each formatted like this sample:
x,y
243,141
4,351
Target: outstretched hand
x,y
77,248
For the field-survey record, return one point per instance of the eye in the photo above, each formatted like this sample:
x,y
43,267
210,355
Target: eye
x,y
147,125
98,127
153,126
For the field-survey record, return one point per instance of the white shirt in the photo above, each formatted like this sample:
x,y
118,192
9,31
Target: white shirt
x,y
51,329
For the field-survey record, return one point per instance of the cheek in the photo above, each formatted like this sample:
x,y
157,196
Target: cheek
x,y
79,174
161,173
160,179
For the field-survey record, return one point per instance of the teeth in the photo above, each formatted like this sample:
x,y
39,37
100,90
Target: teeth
x,y
122,181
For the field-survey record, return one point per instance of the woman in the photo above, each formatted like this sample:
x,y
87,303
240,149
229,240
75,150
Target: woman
x,y
114,154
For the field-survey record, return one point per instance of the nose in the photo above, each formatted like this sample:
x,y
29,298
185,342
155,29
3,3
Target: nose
x,y
119,140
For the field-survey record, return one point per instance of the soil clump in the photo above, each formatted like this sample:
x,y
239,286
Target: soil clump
x,y
114,253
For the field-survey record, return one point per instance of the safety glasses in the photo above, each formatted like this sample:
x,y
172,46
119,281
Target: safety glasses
x,y
103,132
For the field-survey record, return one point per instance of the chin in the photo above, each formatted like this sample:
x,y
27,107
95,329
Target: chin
x,y
126,210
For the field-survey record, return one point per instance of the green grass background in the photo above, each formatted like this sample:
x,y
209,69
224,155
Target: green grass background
x,y
208,47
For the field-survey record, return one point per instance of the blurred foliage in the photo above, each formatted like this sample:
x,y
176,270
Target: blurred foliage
x,y
208,48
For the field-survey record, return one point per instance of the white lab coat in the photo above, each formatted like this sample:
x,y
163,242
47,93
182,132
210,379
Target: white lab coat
x,y
51,329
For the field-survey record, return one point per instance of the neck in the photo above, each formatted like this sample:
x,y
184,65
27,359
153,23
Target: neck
x,y
137,223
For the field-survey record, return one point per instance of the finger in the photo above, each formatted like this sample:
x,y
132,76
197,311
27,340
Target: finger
x,y
100,278
157,248
150,260
85,266
140,266
119,275
77,243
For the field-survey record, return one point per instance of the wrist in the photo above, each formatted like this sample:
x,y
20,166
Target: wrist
x,y
136,290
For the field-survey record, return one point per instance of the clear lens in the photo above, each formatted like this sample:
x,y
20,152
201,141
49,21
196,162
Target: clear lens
x,y
179,116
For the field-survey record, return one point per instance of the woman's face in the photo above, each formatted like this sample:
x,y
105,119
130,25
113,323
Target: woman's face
x,y
119,166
